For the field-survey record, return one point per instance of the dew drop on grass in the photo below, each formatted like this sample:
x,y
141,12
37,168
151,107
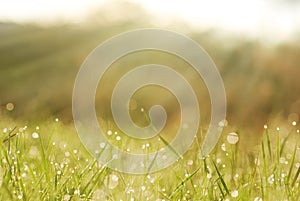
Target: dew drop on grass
x,y
232,138
10,106
234,194
265,127
99,195
271,179
223,123
67,197
223,147
112,181
190,162
282,160
35,135
33,151
294,123
20,197
102,145
258,199
118,138
109,132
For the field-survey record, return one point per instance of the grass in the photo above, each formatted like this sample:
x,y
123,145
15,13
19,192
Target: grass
x,y
47,162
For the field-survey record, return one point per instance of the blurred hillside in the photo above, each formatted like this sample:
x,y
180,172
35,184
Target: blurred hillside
x,y
38,67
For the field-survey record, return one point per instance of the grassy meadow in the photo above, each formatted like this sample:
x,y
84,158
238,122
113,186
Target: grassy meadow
x,y
41,157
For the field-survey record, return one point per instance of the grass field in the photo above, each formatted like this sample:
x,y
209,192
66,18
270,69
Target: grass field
x,y
47,162
42,158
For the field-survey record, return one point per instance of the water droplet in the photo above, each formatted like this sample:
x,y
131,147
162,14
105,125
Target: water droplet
x,y
143,188
56,120
190,162
111,181
58,172
265,127
99,195
234,194
118,138
102,145
66,197
294,123
37,128
109,132
10,106
271,179
232,138
258,199
35,135
77,192
209,176
223,123
282,160
130,190
223,147
20,197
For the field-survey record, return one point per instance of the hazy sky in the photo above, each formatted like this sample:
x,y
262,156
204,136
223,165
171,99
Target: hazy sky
x,y
267,17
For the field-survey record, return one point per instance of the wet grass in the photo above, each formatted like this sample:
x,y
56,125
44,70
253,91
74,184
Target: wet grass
x,y
46,161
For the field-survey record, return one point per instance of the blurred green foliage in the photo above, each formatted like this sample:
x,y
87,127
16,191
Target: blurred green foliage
x,y
38,66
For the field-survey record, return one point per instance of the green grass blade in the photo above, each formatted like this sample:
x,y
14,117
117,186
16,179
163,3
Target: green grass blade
x,y
221,178
296,177
292,165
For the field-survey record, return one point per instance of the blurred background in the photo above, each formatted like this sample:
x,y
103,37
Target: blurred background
x,y
255,44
